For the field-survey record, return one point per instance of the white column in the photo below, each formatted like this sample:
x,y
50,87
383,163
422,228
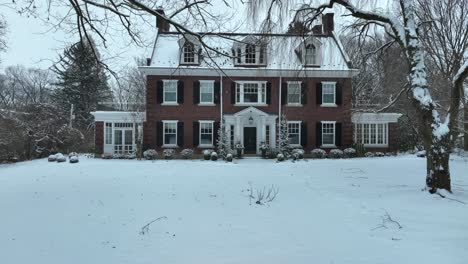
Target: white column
x,y
263,128
238,130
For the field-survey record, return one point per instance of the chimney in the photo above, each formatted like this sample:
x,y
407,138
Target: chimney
x,y
161,24
328,25
148,61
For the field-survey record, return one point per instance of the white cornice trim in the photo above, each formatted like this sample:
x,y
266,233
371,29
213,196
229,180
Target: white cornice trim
x,y
116,116
248,72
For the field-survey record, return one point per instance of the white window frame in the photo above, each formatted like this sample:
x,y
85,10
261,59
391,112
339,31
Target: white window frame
x,y
314,55
369,142
261,97
240,55
334,95
300,129
334,134
164,92
212,92
164,133
106,136
300,93
185,51
200,133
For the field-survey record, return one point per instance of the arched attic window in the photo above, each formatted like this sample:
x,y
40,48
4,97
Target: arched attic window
x,y
310,55
250,54
188,53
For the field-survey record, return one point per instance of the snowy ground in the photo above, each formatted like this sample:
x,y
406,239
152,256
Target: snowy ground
x,y
327,211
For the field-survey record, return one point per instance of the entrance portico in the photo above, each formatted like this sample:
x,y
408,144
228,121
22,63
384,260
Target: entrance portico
x,y
258,123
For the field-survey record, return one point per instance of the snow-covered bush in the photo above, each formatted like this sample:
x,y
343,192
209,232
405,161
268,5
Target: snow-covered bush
x,y
380,154
318,153
229,157
73,159
187,153
107,156
272,153
299,153
60,157
118,156
168,153
336,154
421,154
130,156
369,154
150,154
280,157
214,156
71,154
52,158
360,149
349,153
207,154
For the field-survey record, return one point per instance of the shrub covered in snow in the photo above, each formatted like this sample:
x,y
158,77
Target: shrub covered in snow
x,y
360,149
150,154
272,153
107,156
60,157
52,158
118,156
187,153
130,156
369,154
336,154
421,154
380,154
349,153
318,153
73,159
207,154
168,153
229,157
214,156
298,153
280,157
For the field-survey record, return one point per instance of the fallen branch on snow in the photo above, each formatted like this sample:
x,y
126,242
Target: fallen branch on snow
x,y
145,229
386,218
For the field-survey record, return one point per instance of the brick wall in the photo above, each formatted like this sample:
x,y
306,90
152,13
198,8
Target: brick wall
x,y
99,137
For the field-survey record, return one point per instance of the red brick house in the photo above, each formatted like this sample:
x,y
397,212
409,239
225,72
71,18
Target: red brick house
x,y
246,81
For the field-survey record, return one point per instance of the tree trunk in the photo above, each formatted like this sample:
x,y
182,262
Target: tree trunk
x,y
438,170
465,137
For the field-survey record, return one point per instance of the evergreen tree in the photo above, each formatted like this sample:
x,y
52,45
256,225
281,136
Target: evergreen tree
x,y
283,139
222,142
81,82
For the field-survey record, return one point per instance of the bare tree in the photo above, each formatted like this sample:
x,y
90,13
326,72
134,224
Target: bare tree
x,y
404,28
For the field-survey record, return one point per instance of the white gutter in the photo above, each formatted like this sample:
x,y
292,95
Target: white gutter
x,y
279,105
221,99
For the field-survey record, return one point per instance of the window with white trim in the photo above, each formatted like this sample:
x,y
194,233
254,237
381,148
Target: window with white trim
x,y
267,134
310,55
328,133
371,134
170,91
206,133
206,92
294,131
231,136
170,133
250,53
250,92
188,53
108,133
294,93
328,93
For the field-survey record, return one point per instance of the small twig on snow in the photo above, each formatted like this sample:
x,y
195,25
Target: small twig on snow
x,y
145,228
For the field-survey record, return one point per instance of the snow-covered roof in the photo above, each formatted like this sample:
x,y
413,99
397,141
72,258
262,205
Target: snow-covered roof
x,y
280,53
375,117
116,116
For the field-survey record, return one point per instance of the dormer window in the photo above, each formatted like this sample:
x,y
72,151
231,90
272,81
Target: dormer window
x,y
309,52
250,54
189,50
188,53
310,55
250,51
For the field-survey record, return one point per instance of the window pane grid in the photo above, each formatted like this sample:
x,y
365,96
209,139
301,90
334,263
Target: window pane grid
x,y
328,93
328,133
189,54
108,133
310,55
294,130
250,92
170,91
294,93
206,92
371,133
170,133
250,54
206,133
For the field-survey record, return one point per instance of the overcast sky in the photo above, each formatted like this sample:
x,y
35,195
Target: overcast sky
x,y
31,42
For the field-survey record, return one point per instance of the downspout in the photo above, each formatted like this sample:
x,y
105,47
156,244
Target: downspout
x,y
279,104
221,99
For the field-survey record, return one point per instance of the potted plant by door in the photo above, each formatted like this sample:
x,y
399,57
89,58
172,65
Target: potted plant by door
x,y
239,147
264,147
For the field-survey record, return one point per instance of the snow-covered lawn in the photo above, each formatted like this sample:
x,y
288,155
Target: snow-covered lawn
x,y
326,211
